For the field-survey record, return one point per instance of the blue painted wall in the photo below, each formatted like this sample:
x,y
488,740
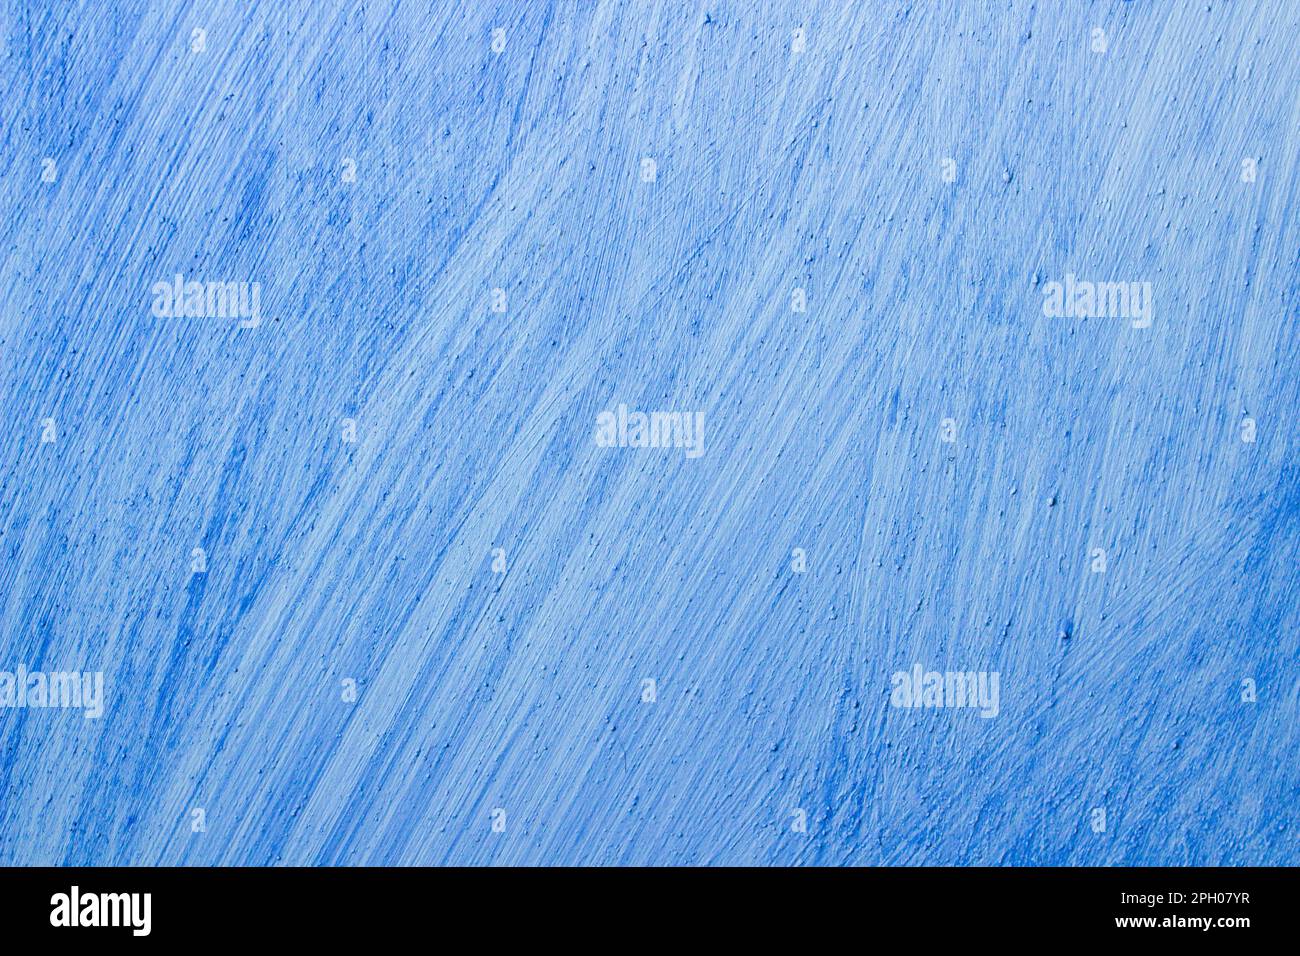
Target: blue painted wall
x,y
948,458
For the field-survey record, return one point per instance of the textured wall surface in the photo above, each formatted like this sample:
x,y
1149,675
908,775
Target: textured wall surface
x,y
829,230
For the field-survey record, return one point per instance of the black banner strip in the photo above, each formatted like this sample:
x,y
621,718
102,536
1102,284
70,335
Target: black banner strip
x,y
333,907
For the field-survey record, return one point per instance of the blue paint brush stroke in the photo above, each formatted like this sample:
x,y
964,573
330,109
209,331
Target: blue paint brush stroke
x,y
501,718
